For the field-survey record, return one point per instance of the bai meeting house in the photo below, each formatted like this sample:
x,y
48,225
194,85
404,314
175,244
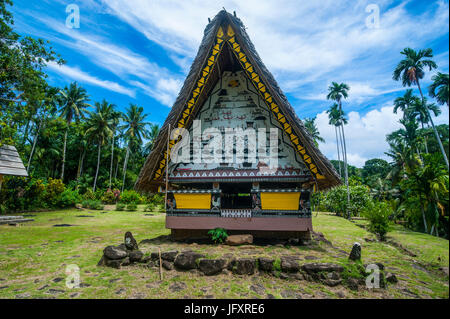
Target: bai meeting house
x,y
214,156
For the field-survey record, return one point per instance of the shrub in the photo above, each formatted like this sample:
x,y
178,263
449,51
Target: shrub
x,y
218,235
110,196
130,196
92,204
378,214
336,199
149,208
99,194
120,206
53,189
132,207
68,198
89,194
157,199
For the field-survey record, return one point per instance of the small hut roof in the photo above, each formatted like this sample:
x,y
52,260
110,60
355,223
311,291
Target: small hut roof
x,y
10,162
146,180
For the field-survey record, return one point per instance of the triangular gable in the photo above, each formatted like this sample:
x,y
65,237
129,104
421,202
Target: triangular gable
x,y
185,109
259,84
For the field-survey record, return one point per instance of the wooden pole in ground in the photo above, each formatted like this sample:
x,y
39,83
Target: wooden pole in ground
x,y
160,264
167,169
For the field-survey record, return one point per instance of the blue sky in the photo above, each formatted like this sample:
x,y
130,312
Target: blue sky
x,y
140,52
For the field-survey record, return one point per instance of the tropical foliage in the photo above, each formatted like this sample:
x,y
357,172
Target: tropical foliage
x,y
89,147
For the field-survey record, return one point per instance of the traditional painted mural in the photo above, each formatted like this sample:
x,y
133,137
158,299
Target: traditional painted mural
x,y
234,104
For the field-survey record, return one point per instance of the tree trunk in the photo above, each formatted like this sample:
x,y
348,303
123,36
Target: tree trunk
x,y
346,172
98,164
34,145
64,154
434,128
117,168
426,144
339,156
80,163
125,163
25,134
424,220
345,164
112,160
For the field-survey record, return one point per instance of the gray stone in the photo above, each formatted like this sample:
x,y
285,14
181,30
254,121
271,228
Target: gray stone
x,y
352,283
187,260
135,255
55,291
265,264
290,264
245,266
177,286
167,265
390,277
355,254
332,282
321,267
169,255
211,267
130,242
114,263
114,252
258,288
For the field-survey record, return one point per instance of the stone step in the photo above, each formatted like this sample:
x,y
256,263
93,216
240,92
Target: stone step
x,y
15,221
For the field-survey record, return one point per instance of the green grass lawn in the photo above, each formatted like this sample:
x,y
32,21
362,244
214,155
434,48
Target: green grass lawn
x,y
34,257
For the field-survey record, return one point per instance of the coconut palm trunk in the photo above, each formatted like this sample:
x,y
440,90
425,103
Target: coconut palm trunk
x,y
34,145
98,163
64,153
80,163
112,160
339,156
426,139
125,163
434,128
344,155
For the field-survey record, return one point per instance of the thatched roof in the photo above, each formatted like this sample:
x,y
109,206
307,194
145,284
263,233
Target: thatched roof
x,y
226,44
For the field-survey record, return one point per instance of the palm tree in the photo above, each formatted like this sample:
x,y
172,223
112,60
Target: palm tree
x,y
336,118
153,134
73,101
407,134
312,129
440,83
134,130
115,117
336,92
420,110
404,102
425,187
411,71
99,126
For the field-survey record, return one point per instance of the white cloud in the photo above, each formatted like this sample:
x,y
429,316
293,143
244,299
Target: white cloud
x,y
78,75
120,61
365,134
